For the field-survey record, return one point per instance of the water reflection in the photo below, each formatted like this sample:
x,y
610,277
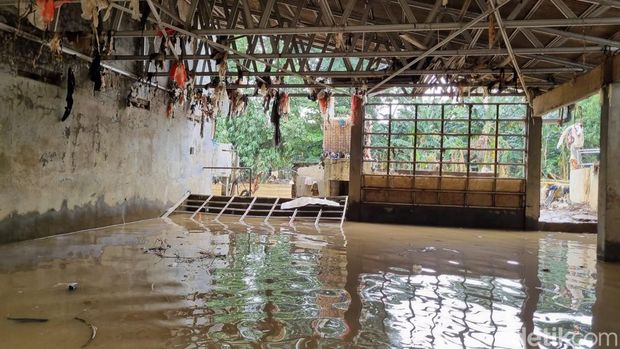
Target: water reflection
x,y
568,277
247,285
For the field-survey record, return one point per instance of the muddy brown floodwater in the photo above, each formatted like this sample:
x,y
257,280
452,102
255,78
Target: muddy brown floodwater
x,y
181,283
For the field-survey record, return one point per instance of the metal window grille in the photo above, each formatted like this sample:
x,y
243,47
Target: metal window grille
x,y
470,154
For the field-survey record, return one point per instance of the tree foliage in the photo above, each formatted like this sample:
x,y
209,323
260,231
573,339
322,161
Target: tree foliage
x,y
252,135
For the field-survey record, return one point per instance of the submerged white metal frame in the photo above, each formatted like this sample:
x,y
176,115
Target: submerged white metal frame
x,y
232,198
202,206
247,210
177,204
273,208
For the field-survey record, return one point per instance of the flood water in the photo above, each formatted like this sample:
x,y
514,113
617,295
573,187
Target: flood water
x,y
181,283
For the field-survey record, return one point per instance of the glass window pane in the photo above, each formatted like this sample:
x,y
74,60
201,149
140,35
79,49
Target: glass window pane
x,y
375,140
429,111
403,112
483,111
513,111
457,155
511,142
510,171
428,141
402,141
459,127
457,111
401,168
512,127
455,142
483,127
483,142
510,157
403,127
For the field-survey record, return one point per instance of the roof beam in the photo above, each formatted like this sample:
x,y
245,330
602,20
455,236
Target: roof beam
x,y
347,85
579,36
379,74
580,87
436,47
391,28
511,53
611,3
566,11
396,54
407,11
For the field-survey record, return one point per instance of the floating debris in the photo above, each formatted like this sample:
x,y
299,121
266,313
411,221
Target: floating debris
x,y
93,330
26,319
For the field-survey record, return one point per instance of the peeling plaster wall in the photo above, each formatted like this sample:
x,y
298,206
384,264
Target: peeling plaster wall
x,y
106,164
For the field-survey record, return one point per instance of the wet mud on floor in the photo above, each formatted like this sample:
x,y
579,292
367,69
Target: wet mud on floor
x,y
181,283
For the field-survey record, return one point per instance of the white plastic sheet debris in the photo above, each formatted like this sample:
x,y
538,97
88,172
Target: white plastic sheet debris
x,y
305,201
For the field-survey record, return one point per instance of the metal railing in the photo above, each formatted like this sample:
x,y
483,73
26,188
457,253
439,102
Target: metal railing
x,y
232,168
262,207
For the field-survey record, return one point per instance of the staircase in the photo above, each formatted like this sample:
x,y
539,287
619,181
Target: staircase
x,y
263,207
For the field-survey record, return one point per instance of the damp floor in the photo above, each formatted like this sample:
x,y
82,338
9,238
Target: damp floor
x,y
182,283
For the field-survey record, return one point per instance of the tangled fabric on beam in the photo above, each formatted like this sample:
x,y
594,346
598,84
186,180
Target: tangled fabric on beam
x,y
326,104
224,106
91,8
56,45
238,102
323,102
70,90
284,104
94,72
275,119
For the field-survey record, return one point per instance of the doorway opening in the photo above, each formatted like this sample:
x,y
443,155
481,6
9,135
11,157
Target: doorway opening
x,y
570,167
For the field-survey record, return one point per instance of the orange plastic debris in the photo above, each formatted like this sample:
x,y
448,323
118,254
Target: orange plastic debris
x,y
47,9
178,74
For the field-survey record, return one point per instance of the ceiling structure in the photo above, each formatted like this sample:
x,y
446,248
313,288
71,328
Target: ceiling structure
x,y
411,45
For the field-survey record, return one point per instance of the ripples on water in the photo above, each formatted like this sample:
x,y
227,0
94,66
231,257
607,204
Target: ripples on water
x,y
288,286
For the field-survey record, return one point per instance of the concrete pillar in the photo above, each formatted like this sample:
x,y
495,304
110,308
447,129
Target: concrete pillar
x,y
604,311
355,166
532,190
609,176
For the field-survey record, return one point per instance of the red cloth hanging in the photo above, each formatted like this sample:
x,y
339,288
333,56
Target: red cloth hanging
x,y
356,105
178,74
323,104
46,8
169,32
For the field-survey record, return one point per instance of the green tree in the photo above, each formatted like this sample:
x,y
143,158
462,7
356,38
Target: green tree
x,y
252,135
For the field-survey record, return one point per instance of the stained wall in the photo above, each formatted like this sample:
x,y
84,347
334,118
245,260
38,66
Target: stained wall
x,y
106,164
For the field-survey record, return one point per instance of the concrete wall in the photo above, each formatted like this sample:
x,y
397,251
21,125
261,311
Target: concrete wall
x,y
584,186
315,173
106,164
337,170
